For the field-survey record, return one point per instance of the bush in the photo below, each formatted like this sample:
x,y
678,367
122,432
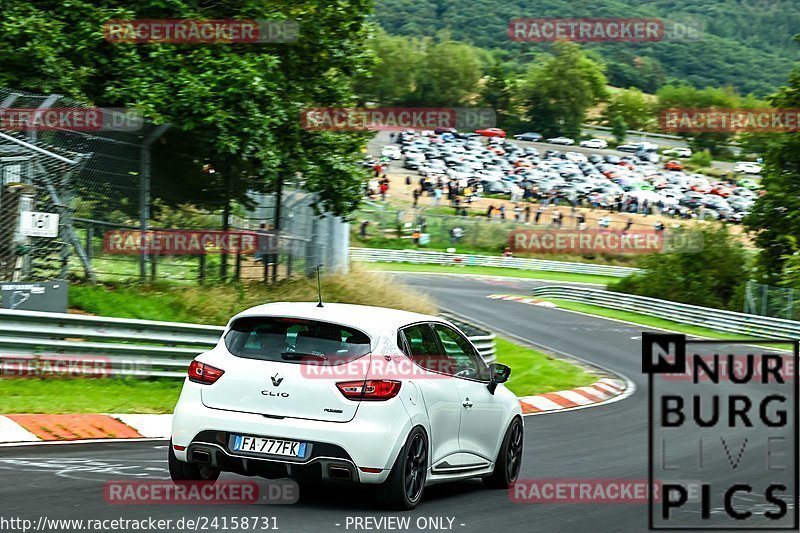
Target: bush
x,y
712,277
701,159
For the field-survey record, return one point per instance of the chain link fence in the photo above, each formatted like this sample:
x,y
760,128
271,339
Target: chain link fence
x,y
766,300
99,181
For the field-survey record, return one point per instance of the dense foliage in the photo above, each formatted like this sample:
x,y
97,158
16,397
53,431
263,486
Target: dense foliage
x,y
746,45
713,277
234,108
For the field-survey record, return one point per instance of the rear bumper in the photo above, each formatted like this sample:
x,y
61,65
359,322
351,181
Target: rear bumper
x,y
371,440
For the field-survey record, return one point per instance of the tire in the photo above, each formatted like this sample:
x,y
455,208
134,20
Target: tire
x,y
181,472
402,491
509,458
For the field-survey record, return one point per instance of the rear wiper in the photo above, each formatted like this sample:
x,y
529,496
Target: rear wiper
x,y
291,356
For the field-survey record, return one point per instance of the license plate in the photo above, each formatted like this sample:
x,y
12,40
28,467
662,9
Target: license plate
x,y
267,446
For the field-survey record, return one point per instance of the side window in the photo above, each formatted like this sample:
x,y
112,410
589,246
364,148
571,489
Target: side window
x,y
424,350
467,361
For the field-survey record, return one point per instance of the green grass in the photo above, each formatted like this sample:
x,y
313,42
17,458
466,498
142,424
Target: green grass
x,y
534,372
494,271
88,395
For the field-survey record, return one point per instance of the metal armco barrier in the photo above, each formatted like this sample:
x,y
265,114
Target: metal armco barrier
x,y
374,255
123,347
717,319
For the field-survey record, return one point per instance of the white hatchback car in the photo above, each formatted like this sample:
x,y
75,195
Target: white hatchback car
x,y
348,394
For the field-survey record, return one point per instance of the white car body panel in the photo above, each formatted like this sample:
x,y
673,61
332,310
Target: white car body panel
x,y
463,442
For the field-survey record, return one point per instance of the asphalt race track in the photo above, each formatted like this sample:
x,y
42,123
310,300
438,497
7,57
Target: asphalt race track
x,y
609,441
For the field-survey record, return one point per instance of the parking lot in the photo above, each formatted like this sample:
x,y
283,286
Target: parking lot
x,y
484,171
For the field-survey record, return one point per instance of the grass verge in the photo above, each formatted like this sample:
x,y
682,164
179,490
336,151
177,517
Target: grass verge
x,y
88,395
216,304
532,372
494,271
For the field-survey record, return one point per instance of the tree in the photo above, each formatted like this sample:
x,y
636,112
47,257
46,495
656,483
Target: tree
x,y
558,91
712,277
449,75
393,78
633,107
619,128
684,96
498,93
234,107
775,218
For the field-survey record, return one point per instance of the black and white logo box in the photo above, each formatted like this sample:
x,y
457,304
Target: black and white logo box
x,y
722,433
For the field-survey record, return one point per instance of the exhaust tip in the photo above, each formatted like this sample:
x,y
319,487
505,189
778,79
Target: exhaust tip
x,y
201,456
340,473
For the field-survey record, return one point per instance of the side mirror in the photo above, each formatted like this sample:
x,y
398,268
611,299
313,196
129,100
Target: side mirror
x,y
498,373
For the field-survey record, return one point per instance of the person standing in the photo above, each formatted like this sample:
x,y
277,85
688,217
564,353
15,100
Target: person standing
x,y
416,194
538,215
527,214
437,195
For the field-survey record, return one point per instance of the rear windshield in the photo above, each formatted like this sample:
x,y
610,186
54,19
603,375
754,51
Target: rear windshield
x,y
295,340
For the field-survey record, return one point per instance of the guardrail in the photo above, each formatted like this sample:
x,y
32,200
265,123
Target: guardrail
x,y
91,345
716,319
376,255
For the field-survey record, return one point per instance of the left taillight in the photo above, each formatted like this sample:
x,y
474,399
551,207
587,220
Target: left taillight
x,y
203,373
373,389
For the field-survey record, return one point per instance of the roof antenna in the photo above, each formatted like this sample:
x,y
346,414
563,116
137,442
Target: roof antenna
x,y
319,288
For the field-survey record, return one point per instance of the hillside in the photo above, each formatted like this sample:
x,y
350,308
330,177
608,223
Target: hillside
x,y
747,45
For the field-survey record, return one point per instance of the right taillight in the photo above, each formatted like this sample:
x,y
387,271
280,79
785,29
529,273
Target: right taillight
x,y
203,373
370,390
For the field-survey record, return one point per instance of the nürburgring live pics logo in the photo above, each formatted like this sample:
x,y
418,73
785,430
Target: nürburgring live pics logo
x,y
724,413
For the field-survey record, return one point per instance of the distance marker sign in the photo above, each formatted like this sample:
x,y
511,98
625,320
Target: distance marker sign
x,y
37,224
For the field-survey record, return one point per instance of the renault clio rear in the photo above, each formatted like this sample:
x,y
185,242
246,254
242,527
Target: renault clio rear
x,y
292,390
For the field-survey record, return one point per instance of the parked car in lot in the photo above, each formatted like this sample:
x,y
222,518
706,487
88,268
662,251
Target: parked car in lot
x,y
491,132
561,140
305,391
678,152
673,164
747,168
392,151
413,162
594,143
529,136
628,147
749,183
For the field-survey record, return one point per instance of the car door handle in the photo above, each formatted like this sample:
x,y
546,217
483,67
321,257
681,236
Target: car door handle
x,y
466,403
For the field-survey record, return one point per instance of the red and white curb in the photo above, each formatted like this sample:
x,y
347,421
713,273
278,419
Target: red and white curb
x,y
32,428
600,392
521,299
21,429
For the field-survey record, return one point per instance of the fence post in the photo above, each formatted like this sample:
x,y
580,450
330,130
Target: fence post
x,y
89,240
201,272
238,272
153,269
